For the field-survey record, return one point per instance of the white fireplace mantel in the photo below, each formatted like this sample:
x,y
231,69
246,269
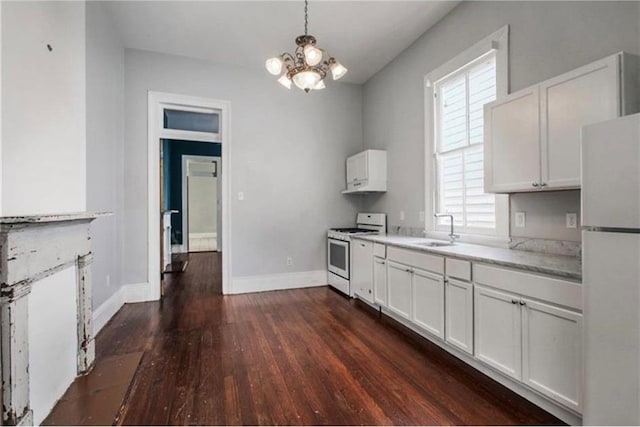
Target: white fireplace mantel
x,y
32,248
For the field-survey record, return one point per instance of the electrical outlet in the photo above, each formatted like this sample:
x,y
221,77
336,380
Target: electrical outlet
x,y
572,220
521,221
289,261
401,215
421,216
240,195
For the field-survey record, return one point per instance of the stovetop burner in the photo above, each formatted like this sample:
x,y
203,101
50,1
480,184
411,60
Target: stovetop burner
x,y
353,230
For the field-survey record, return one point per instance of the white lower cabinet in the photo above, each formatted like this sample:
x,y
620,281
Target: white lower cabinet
x,y
428,302
380,281
536,343
498,330
399,289
459,314
552,352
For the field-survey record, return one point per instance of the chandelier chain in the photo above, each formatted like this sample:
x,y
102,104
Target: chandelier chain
x,y
306,17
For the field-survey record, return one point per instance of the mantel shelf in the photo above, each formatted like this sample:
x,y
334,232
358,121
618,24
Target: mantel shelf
x,y
32,219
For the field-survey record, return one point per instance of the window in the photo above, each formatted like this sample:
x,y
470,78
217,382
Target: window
x,y
455,95
459,100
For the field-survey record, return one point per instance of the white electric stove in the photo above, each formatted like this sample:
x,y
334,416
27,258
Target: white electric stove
x,y
339,247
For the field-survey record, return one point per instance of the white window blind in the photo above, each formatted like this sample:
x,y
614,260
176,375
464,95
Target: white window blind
x,y
459,101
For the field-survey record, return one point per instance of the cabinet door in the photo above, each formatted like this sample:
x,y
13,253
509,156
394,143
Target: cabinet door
x,y
498,330
357,167
551,352
362,272
512,143
428,302
399,289
459,314
584,96
380,281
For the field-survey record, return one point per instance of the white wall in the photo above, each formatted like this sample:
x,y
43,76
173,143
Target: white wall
x,y
105,149
43,108
288,154
546,39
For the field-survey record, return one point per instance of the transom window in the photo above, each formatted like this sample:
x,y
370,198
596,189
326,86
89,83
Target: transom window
x,y
459,99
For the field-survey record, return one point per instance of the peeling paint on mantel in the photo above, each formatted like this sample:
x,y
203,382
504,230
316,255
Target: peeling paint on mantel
x,y
32,248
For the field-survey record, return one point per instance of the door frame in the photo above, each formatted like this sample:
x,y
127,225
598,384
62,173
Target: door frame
x,y
157,102
185,199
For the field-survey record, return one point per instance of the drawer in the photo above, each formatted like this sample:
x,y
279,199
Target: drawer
x,y
379,250
556,291
458,269
424,261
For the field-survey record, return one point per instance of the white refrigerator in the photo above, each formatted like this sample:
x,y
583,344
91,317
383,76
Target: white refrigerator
x,y
611,271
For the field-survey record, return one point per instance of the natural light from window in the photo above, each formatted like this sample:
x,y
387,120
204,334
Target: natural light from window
x,y
459,134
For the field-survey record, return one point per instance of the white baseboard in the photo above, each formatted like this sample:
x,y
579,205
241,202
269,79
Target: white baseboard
x,y
274,282
107,310
138,292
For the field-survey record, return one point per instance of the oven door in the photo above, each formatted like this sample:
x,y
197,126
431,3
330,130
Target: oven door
x,y
338,257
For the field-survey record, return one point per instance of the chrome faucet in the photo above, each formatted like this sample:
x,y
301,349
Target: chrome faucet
x,y
452,236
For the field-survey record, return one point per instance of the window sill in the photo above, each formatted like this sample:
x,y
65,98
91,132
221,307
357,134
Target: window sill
x,y
478,239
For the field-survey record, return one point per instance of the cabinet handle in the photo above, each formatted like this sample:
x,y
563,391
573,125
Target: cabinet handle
x,y
514,301
408,270
535,184
522,302
543,184
357,184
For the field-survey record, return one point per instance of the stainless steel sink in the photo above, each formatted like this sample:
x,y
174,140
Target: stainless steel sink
x,y
434,244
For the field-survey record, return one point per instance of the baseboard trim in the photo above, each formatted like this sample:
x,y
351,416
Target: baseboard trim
x,y
276,282
108,309
138,292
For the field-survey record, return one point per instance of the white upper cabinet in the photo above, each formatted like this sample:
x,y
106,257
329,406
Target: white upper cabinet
x,y
512,142
532,137
367,172
568,102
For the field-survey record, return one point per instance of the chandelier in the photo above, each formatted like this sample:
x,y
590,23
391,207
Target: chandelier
x,y
307,67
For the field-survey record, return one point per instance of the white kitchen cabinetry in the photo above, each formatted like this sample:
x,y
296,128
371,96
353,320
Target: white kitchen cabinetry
x,y
459,314
532,137
367,172
362,269
498,330
428,301
399,278
552,352
537,343
512,142
380,281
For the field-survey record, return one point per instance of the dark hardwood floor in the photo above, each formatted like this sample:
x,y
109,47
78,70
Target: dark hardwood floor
x,y
306,356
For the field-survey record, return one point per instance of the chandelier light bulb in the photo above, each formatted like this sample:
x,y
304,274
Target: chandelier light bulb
x,y
307,80
285,81
274,65
312,55
337,69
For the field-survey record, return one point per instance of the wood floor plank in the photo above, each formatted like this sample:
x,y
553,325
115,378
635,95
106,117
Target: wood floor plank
x,y
295,357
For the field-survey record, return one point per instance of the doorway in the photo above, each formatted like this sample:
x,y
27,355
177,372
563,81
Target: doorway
x,y
201,205
189,120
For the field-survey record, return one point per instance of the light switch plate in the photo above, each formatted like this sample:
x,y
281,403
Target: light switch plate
x,y
240,195
572,220
521,220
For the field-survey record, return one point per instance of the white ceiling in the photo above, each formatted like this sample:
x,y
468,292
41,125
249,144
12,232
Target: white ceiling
x,y
363,35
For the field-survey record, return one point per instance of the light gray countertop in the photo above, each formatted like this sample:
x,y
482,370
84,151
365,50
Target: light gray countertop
x,y
556,265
